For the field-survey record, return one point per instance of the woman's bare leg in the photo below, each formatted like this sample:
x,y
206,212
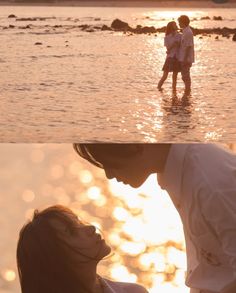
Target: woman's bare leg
x,y
174,81
162,80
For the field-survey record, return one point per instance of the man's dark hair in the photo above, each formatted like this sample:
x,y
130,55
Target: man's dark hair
x,y
99,153
184,19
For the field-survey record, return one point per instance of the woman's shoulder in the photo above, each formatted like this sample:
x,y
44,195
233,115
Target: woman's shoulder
x,y
126,287
178,35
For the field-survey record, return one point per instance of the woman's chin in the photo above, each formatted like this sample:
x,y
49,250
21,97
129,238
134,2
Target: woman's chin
x,y
107,250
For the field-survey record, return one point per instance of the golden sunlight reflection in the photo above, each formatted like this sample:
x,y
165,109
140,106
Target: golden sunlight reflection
x,y
9,275
141,225
122,273
28,195
172,14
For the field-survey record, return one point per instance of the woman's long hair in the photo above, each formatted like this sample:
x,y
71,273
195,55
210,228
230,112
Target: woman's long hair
x,y
170,28
45,261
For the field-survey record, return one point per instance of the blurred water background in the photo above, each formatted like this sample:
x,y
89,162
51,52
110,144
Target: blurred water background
x,y
101,85
141,224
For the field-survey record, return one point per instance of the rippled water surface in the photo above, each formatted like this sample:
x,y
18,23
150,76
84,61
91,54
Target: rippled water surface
x,y
101,85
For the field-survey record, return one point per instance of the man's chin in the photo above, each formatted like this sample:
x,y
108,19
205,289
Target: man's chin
x,y
135,185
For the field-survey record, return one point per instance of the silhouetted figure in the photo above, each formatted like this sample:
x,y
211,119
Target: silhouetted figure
x,y
186,52
172,43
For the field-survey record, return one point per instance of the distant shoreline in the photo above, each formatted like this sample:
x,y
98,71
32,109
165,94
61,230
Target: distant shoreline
x,y
90,3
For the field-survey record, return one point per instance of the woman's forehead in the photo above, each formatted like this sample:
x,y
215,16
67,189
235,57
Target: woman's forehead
x,y
65,221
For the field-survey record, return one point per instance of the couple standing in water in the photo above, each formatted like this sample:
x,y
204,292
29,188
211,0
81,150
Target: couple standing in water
x,y
179,54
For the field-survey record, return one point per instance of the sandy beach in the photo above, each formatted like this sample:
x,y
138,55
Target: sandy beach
x,y
181,4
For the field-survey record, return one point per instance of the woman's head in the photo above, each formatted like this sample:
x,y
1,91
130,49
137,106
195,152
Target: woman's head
x,y
171,28
54,249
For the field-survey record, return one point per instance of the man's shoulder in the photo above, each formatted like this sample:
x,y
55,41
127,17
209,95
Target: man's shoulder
x,y
188,32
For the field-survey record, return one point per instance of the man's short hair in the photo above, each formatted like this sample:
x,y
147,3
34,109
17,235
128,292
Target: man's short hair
x,y
184,19
99,153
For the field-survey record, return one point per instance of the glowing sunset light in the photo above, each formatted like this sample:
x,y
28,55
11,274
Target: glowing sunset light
x,y
120,214
120,272
9,275
85,176
132,248
93,192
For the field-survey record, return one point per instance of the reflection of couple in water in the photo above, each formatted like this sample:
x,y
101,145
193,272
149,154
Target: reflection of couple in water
x,y
179,54
57,253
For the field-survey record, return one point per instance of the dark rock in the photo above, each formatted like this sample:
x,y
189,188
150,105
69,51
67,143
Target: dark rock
x,y
11,16
83,26
217,18
27,19
148,30
205,17
105,28
97,19
90,30
38,43
234,38
225,35
217,38
118,24
11,26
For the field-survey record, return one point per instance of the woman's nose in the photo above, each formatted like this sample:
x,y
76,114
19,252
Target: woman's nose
x,y
91,229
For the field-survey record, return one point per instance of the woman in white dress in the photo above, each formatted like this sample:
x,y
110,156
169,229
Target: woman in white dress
x,y
172,43
57,253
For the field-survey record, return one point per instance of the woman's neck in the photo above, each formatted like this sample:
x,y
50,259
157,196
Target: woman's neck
x,y
89,280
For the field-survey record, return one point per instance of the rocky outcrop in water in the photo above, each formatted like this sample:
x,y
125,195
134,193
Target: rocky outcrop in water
x,y
11,16
217,18
120,26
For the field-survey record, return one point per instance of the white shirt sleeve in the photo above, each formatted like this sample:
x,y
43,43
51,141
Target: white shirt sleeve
x,y
188,39
219,210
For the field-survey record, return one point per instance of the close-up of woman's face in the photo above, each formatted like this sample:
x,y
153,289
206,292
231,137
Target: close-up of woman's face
x,y
86,244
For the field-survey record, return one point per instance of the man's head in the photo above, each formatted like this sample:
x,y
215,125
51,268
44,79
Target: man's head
x,y
128,163
184,21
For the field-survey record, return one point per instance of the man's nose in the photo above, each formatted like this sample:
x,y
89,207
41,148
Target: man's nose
x,y
109,174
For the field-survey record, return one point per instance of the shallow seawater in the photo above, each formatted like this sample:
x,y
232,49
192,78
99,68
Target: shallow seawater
x,y
101,85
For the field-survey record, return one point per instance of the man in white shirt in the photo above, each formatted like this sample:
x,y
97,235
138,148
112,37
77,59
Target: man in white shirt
x,y
186,52
201,181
